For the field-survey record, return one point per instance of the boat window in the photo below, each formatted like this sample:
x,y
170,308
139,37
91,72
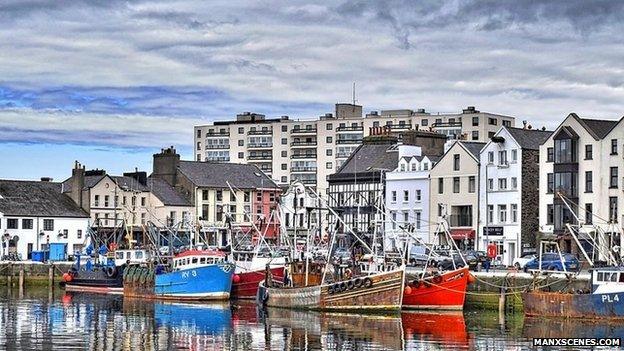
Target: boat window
x,y
599,276
209,260
138,255
621,277
194,260
614,277
202,260
119,255
128,255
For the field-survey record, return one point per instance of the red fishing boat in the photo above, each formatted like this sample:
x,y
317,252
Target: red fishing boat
x,y
441,291
245,281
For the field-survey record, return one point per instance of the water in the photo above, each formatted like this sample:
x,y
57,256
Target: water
x,y
60,321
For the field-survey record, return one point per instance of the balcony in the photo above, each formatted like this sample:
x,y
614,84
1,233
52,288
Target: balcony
x,y
268,157
259,145
303,131
303,143
218,159
343,154
348,141
399,126
307,156
303,169
350,129
308,181
458,220
217,146
217,134
446,124
260,132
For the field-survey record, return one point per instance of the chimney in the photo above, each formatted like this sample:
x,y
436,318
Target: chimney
x,y
524,124
140,177
77,184
165,165
46,179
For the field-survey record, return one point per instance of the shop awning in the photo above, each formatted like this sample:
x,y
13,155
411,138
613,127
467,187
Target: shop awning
x,y
461,234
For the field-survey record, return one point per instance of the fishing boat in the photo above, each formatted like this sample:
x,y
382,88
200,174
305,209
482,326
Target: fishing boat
x,y
250,271
190,275
439,291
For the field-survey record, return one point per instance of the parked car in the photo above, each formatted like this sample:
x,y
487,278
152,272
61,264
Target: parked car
x,y
446,264
520,262
418,255
551,261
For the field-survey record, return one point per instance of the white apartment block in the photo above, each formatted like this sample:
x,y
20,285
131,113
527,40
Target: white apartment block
x,y
309,150
584,161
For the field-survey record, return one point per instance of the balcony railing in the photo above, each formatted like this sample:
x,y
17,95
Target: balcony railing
x,y
260,157
217,146
259,145
348,141
303,131
350,129
218,159
343,154
303,169
399,126
303,143
217,134
260,132
303,156
446,124
461,220
308,181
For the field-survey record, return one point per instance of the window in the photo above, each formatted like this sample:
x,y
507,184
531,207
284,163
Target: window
x,y
491,135
492,121
394,196
143,201
490,214
65,233
12,223
475,135
455,184
613,205
424,122
329,126
376,124
204,194
328,152
284,166
589,152
502,213
328,165
550,214
588,213
284,128
565,151
588,182
394,219
472,184
405,195
613,146
456,162
241,130
440,185
502,158
241,155
514,213
79,233
199,133
490,184
232,196
284,153
475,121
241,143
491,157
328,140
219,195
566,182
613,177
418,197
96,201
413,166
502,183
284,141
402,167
550,186
506,123
106,200
514,155
550,154
418,216
406,217
514,183
284,179
48,224
198,145
27,223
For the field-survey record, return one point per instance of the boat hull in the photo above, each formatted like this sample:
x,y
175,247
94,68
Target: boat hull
x,y
247,285
211,282
567,305
448,293
384,292
96,281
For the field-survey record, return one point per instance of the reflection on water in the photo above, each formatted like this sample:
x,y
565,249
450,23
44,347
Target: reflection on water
x,y
82,321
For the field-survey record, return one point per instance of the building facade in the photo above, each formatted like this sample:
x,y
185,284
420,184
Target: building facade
x,y
509,192
454,194
34,214
300,211
310,150
582,161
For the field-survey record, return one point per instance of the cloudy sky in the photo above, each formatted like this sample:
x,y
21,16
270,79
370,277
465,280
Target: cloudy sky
x,y
111,82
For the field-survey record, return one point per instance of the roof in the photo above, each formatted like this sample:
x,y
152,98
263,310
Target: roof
x,y
529,138
599,127
129,183
473,147
166,193
217,175
371,157
36,199
92,180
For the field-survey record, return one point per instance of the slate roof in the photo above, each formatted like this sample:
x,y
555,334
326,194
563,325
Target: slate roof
x,y
92,180
530,139
473,147
166,193
371,157
129,183
36,199
215,175
600,127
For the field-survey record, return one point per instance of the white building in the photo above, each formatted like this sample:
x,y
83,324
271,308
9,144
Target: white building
x,y
407,194
35,214
508,192
300,210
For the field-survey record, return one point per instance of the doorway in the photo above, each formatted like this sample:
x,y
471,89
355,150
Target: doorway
x,y
511,250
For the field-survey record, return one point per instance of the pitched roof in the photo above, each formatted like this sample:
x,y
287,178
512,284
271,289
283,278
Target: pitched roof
x,y
92,180
530,139
371,157
129,183
166,193
600,127
34,198
473,147
216,175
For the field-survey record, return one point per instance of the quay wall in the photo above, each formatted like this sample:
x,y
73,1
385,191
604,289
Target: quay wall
x,y
35,273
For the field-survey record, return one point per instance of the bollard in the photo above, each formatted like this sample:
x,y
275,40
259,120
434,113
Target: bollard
x,y
21,279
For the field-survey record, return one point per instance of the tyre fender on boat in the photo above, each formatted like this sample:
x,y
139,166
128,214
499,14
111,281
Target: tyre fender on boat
x,y
110,271
416,283
330,289
368,282
358,282
350,285
437,279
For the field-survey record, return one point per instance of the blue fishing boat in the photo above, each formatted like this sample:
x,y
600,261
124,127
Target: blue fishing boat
x,y
191,275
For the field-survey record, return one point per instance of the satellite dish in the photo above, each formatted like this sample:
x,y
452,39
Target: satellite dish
x,y
16,238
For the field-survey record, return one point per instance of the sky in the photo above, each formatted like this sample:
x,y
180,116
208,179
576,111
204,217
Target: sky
x,y
109,83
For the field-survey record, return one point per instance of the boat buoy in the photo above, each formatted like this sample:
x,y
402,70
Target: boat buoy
x,y
471,278
67,298
408,290
67,277
236,278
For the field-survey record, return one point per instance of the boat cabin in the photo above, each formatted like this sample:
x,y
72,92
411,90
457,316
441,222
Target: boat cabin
x,y
197,258
607,280
131,256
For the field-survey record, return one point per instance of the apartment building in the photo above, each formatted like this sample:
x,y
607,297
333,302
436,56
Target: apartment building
x,y
34,214
582,161
454,195
309,150
509,192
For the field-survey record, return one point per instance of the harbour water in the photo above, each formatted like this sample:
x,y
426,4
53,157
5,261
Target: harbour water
x,y
40,319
